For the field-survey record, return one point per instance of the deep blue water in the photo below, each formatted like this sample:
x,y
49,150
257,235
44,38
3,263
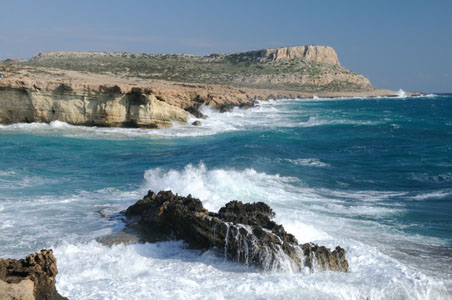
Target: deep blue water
x,y
373,173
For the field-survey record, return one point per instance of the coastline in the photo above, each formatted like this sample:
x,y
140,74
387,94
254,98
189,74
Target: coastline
x,y
81,98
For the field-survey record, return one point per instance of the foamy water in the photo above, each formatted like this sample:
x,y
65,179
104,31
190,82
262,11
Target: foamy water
x,y
266,115
318,163
169,269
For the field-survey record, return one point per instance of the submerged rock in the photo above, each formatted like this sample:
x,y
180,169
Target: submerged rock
x,y
29,278
241,232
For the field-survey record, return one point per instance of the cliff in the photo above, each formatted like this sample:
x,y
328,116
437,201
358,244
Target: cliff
x,y
158,90
311,53
98,105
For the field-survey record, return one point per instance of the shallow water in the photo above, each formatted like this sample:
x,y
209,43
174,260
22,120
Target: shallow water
x,y
371,175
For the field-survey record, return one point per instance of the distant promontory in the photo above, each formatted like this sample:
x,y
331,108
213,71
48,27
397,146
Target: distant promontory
x,y
157,90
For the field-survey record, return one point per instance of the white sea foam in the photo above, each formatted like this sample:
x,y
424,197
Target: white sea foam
x,y
433,195
168,270
269,115
15,180
426,177
89,270
311,214
32,221
7,173
311,162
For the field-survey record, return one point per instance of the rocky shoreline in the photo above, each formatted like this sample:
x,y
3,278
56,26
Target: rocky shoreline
x,y
97,100
240,232
95,89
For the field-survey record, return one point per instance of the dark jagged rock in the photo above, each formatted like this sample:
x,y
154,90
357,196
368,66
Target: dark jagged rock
x,y
29,278
241,232
194,110
196,123
228,107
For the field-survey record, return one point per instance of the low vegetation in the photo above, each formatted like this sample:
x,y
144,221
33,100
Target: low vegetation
x,y
234,69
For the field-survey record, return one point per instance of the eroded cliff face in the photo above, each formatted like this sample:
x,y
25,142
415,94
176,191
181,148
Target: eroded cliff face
x,y
319,54
96,105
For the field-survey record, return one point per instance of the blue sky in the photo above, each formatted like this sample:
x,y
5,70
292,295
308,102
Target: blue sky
x,y
396,44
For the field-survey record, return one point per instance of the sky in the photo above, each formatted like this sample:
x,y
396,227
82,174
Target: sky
x,y
396,44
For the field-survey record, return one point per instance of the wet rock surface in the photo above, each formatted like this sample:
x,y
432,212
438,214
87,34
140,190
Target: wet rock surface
x,y
241,232
29,278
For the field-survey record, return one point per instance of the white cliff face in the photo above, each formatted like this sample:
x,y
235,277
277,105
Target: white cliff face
x,y
86,106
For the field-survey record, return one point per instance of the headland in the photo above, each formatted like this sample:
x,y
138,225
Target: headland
x,y
115,89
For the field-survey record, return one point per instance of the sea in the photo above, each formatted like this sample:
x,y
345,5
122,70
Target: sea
x,y
372,175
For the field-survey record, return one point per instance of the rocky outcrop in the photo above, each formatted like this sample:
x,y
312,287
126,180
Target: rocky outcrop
x,y
29,278
311,53
319,54
241,232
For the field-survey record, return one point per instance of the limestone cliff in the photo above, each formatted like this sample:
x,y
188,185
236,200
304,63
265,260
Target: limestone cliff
x,y
98,105
311,53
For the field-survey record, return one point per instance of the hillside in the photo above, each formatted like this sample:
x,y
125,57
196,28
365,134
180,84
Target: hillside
x,y
301,68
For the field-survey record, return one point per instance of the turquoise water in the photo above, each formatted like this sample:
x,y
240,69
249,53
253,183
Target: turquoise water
x,y
371,175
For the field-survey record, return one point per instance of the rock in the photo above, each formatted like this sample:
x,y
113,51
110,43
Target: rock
x,y
241,232
195,112
227,107
119,238
314,53
29,278
196,123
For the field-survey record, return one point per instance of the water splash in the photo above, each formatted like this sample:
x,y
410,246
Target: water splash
x,y
401,94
